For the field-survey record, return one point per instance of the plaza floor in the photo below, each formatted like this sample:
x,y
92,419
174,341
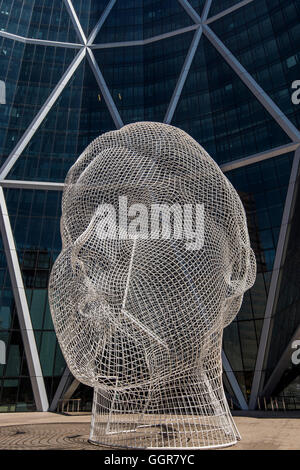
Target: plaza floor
x,y
37,431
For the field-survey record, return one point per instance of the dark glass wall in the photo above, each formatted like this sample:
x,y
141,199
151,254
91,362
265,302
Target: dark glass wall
x,y
78,116
265,37
141,79
262,188
34,217
286,313
219,111
15,386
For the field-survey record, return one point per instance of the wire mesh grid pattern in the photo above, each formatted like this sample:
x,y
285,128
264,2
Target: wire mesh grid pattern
x,y
140,319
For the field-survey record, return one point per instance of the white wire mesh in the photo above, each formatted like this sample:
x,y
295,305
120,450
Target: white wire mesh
x,y
141,320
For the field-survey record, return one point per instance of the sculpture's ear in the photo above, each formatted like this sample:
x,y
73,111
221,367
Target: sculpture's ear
x,y
243,272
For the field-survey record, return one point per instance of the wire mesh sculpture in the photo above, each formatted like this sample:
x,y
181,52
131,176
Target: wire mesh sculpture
x,y
140,318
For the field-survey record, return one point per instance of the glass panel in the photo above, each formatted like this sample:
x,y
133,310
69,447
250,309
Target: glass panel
x,y
221,5
198,5
47,352
37,307
15,16
248,343
286,318
142,79
265,37
221,113
38,19
232,347
37,247
124,23
30,74
89,12
60,363
262,188
78,116
161,17
50,20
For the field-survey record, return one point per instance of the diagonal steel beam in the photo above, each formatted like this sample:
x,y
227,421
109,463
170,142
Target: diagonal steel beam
x,y
205,11
253,86
31,352
102,19
190,11
40,42
65,379
104,89
259,157
75,21
34,125
227,11
273,290
183,75
144,42
46,185
233,382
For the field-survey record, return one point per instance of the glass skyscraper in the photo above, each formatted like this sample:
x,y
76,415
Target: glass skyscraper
x,y
222,70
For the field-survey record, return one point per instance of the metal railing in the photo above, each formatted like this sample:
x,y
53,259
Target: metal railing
x,y
280,403
69,405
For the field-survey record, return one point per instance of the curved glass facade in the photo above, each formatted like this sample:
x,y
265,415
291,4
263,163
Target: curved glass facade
x,y
74,69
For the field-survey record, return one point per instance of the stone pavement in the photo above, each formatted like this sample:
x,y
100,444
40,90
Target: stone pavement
x,y
37,431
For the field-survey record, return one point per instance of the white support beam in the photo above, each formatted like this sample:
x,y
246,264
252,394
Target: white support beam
x,y
102,19
65,379
39,42
253,86
34,125
273,290
144,42
105,91
233,382
259,157
205,11
31,352
71,389
183,75
227,11
75,21
21,184
190,11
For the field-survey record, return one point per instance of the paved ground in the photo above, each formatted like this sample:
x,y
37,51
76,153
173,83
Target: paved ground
x,y
53,431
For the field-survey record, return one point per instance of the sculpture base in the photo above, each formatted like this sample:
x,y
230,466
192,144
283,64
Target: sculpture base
x,y
114,427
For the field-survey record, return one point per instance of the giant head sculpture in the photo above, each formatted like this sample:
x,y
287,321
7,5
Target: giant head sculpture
x,y
155,261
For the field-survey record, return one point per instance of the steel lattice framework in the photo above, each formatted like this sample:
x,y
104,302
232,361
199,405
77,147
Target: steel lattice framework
x,y
85,47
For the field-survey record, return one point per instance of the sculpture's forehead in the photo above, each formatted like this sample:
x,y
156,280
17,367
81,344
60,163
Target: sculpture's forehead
x,y
115,162
145,153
